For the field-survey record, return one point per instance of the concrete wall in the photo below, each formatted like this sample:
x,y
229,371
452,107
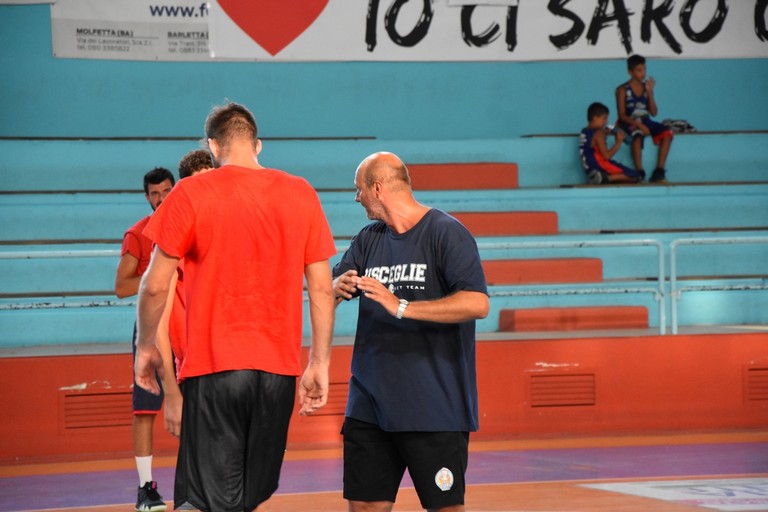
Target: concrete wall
x,y
44,96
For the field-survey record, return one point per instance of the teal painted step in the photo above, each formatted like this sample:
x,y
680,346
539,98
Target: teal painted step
x,y
80,274
327,164
33,322
62,326
695,308
735,307
693,158
642,262
114,324
57,275
647,207
643,207
542,161
83,274
70,216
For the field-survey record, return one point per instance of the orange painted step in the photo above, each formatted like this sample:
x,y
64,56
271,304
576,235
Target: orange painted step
x,y
508,223
543,271
573,318
455,176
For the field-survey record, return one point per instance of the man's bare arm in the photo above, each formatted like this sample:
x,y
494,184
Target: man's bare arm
x,y
461,306
153,293
313,387
126,280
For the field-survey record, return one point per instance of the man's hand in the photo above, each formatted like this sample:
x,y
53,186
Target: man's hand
x,y
145,365
313,389
345,285
375,290
173,406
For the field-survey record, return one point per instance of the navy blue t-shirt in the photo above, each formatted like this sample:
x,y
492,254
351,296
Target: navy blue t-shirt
x,y
410,375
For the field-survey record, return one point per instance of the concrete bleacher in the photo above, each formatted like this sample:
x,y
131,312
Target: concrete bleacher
x,y
705,157
544,161
89,194
105,216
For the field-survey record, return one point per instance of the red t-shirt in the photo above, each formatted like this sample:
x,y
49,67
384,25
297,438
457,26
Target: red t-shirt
x,y
245,236
138,245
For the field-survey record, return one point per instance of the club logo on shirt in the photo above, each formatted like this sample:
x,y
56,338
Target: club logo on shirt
x,y
411,276
444,479
413,272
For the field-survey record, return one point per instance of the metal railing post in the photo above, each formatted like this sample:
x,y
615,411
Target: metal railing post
x,y
676,292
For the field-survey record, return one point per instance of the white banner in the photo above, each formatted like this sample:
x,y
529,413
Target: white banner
x,y
410,30
483,2
134,30
451,30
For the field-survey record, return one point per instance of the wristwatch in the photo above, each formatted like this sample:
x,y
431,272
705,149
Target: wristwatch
x,y
401,309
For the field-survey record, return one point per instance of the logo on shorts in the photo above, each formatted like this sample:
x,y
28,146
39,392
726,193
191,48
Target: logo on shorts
x,y
444,479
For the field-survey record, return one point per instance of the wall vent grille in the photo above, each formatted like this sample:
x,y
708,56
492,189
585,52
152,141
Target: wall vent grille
x,y
83,411
562,389
757,385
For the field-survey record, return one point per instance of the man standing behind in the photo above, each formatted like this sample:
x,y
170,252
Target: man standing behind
x,y
172,331
134,259
413,393
248,236
194,162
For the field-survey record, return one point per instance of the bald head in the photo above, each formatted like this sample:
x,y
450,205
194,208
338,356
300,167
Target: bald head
x,y
385,168
383,188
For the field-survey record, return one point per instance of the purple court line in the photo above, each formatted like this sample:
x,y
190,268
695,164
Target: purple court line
x,y
310,476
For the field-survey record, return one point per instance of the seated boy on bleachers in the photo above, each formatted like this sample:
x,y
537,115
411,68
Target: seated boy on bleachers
x,y
636,105
595,155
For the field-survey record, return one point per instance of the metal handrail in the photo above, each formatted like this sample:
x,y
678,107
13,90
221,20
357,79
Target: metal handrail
x,y
28,255
106,303
657,291
675,291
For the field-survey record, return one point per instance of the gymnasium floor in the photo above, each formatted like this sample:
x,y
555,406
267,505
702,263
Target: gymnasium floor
x,y
659,473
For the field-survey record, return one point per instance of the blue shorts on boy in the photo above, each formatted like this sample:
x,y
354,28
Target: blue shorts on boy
x,y
658,131
593,162
636,107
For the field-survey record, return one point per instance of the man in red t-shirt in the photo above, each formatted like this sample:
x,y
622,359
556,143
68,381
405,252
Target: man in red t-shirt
x,y
249,237
134,260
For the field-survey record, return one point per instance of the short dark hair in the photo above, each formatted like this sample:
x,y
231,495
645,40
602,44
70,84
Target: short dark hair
x,y
230,121
194,161
157,176
635,60
596,109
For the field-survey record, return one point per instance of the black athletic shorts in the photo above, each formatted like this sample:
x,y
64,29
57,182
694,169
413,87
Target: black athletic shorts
x,y
143,401
375,462
234,428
